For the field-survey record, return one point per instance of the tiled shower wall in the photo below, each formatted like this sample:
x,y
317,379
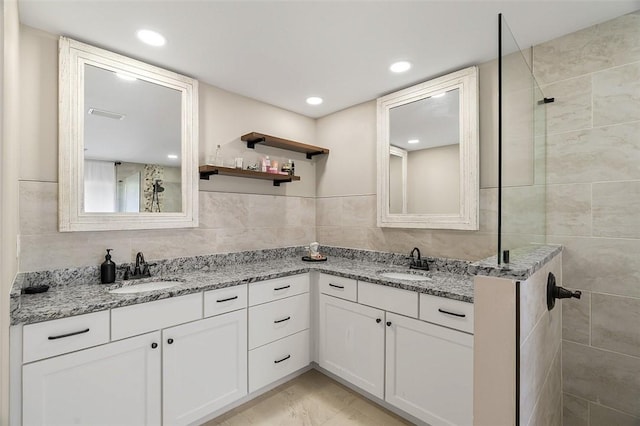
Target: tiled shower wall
x,y
593,205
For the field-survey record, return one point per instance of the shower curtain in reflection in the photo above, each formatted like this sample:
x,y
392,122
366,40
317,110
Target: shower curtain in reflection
x,y
99,186
153,200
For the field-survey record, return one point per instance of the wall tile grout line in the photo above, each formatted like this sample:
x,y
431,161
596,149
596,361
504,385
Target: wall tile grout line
x,y
602,349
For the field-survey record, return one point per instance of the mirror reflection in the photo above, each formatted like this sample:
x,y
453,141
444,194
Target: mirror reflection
x,y
132,144
424,155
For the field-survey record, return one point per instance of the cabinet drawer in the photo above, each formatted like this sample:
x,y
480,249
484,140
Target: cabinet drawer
x,y
267,291
275,360
275,320
447,312
344,288
50,338
224,300
390,299
138,319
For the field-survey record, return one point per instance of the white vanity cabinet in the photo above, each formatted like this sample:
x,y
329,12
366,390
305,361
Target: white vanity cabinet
x,y
379,345
179,360
114,384
204,366
352,343
279,321
184,370
429,371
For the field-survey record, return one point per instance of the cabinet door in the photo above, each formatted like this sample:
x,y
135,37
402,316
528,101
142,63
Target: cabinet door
x,y
352,343
429,371
113,384
204,366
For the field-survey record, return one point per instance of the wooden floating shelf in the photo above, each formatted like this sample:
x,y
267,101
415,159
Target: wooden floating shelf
x,y
207,171
310,150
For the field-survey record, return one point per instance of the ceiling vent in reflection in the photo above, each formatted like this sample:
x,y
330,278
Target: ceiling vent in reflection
x,y
106,114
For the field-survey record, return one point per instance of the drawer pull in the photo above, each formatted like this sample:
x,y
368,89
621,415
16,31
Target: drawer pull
x,y
442,311
227,299
154,345
282,288
86,330
282,320
170,341
378,320
278,361
341,287
388,323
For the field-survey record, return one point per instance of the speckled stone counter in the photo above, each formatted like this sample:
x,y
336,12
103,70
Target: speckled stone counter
x,y
76,291
523,262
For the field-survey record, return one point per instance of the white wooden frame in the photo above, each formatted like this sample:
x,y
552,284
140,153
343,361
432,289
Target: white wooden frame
x,y
73,56
404,157
466,81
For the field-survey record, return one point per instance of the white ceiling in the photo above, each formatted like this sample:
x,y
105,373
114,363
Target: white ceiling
x,y
282,52
150,129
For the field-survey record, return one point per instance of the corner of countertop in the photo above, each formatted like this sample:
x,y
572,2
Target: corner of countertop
x,y
524,262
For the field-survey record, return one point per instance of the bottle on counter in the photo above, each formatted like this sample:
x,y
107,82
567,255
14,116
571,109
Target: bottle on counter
x,y
108,269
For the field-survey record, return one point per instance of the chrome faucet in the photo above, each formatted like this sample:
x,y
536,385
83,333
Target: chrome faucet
x,y
417,262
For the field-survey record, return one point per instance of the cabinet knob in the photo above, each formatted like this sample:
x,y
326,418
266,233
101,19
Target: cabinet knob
x,y
388,323
154,345
378,320
169,341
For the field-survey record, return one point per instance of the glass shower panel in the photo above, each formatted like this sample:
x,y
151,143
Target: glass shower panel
x,y
522,142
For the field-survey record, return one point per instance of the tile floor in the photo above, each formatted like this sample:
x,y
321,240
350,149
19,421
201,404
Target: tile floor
x,y
310,399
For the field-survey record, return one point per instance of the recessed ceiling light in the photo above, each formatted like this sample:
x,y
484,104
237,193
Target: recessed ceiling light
x,y
412,141
172,156
314,100
151,37
400,66
439,95
125,77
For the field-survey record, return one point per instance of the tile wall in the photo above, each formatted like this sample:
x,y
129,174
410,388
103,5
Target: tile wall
x,y
540,351
593,200
350,221
228,222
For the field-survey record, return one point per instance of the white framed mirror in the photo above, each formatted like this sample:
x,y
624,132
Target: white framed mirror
x,y
428,154
128,143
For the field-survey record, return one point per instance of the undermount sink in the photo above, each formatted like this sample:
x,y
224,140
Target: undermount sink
x,y
142,287
404,276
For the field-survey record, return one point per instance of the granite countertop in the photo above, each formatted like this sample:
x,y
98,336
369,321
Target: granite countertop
x,y
76,291
67,300
524,262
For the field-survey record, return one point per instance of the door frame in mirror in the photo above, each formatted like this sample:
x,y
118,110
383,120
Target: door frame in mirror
x,y
466,81
73,56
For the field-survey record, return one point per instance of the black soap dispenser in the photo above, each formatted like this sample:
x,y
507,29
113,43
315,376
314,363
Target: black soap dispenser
x,y
108,269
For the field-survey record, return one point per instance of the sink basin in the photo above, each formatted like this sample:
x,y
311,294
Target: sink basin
x,y
142,287
404,276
